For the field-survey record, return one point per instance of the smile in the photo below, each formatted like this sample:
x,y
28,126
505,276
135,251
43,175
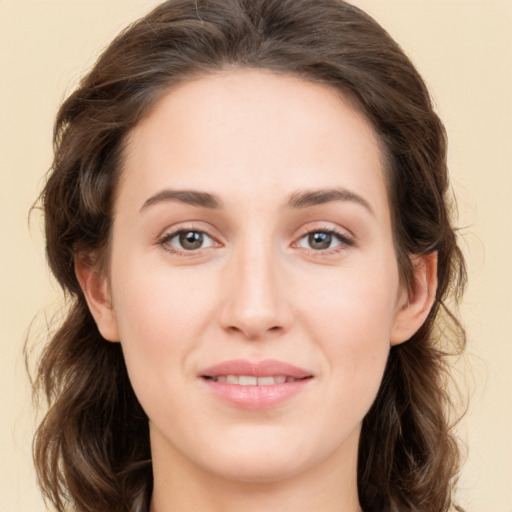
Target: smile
x,y
251,380
255,385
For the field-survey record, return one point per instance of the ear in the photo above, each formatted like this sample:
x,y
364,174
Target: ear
x,y
415,305
95,286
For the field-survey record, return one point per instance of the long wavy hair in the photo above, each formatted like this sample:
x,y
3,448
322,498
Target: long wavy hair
x,y
92,450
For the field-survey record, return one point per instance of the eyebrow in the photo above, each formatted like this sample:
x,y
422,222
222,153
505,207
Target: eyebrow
x,y
305,199
191,197
298,200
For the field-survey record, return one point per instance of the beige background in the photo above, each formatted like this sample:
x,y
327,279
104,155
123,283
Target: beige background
x,y
464,50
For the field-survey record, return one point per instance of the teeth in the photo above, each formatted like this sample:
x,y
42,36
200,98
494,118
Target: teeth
x,y
266,381
249,380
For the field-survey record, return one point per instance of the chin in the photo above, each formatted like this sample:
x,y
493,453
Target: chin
x,y
258,469
266,459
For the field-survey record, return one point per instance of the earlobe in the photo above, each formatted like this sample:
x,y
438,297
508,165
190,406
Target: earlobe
x,y
414,309
94,284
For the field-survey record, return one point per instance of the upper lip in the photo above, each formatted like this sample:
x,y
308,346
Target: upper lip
x,y
265,368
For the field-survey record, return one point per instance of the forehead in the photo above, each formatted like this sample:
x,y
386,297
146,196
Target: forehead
x,y
249,133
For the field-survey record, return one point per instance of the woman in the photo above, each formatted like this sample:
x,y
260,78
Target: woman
x,y
248,209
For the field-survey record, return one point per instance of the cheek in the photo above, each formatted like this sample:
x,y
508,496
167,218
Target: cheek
x,y
161,320
351,317
156,302
356,305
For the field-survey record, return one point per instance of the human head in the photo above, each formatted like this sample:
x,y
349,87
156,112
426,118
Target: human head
x,y
329,42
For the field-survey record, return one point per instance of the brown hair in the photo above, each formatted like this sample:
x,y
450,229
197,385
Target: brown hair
x,y
92,448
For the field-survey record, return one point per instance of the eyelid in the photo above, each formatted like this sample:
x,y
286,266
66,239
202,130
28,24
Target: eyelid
x,y
346,238
171,232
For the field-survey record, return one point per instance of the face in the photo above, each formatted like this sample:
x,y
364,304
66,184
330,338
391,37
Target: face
x,y
253,281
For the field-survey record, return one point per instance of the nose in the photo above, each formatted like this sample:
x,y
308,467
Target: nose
x,y
255,295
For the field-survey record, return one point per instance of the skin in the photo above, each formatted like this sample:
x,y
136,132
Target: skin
x,y
256,289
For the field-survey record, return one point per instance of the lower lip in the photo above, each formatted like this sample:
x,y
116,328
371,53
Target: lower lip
x,y
256,397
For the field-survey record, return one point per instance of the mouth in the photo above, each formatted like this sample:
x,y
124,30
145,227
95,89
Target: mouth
x,y
245,371
252,380
255,385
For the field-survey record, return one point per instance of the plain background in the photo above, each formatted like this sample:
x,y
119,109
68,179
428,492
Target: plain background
x,y
463,48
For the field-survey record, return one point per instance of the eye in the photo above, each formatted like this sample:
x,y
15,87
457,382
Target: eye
x,y
187,240
323,240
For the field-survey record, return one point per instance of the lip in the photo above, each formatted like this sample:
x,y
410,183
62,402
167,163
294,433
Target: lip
x,y
265,368
256,397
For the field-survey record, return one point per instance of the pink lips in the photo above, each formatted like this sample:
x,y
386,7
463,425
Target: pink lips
x,y
256,396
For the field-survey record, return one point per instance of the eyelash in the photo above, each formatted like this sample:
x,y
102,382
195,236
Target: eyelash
x,y
344,241
165,241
